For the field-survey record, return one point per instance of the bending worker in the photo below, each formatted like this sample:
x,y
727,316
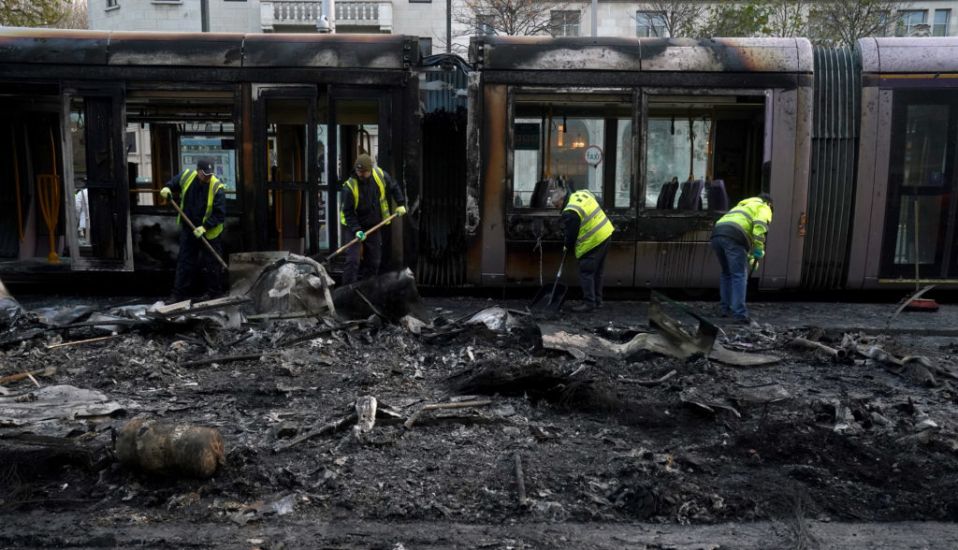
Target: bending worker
x,y
203,201
588,231
739,241
365,203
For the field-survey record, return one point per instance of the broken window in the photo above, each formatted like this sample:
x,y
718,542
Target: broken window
x,y
575,142
702,153
167,132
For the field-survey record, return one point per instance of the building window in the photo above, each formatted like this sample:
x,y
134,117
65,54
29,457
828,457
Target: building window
x,y
130,142
650,24
425,46
485,24
565,22
111,4
912,21
942,20
420,1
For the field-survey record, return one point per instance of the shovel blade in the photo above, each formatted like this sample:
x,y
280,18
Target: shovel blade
x,y
549,300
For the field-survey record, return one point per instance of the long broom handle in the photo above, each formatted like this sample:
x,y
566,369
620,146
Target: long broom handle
x,y
193,227
372,230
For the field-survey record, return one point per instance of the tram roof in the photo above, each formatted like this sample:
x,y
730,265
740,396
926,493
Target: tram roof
x,y
909,55
214,50
761,55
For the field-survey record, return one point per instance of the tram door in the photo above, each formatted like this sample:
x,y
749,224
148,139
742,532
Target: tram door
x,y
95,193
359,125
920,228
289,205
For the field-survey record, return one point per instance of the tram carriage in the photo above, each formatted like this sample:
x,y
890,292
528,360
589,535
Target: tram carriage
x,y
856,146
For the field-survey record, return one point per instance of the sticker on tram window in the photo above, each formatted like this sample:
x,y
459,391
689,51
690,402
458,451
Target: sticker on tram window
x,y
593,155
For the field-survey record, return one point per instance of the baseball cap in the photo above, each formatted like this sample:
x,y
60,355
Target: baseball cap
x,y
205,166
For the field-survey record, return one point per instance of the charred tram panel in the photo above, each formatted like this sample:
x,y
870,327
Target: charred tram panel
x,y
97,122
668,134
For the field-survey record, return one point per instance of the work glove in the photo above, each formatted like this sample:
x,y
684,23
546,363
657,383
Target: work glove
x,y
199,231
166,192
758,254
361,235
401,210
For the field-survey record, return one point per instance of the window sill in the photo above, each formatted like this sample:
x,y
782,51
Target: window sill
x,y
112,8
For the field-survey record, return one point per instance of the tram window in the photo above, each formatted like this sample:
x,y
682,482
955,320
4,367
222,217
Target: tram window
x,y
624,171
925,151
525,170
677,155
158,151
563,161
576,145
702,152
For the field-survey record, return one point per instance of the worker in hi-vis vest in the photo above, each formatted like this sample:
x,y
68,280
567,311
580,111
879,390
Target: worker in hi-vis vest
x,y
739,242
588,232
365,202
203,201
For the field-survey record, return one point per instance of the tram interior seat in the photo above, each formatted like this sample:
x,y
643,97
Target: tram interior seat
x,y
690,195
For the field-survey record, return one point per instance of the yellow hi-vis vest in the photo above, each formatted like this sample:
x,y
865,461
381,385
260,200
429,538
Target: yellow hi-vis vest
x,y
594,226
751,217
215,186
353,186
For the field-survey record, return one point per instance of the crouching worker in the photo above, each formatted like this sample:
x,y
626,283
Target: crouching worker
x,y
203,201
365,204
739,241
588,232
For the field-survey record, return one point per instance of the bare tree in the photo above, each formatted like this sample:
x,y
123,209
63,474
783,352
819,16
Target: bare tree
x,y
75,17
843,23
32,13
678,17
508,17
788,18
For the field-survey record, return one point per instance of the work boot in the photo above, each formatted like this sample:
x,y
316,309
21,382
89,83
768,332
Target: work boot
x,y
582,307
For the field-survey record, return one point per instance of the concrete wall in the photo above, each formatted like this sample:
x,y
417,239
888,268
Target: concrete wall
x,y
174,16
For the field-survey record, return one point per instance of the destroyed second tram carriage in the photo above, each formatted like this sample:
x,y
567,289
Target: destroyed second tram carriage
x,y
859,145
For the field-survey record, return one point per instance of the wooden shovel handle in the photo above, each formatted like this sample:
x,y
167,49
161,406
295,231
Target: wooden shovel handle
x,y
193,227
372,230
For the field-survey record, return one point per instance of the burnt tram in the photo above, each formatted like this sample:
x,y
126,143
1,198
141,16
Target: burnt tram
x,y
856,146
94,123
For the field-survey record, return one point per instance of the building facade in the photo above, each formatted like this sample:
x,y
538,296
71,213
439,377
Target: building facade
x,y
427,18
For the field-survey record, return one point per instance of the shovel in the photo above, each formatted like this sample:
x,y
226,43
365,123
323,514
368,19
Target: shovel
x,y
547,300
193,227
346,246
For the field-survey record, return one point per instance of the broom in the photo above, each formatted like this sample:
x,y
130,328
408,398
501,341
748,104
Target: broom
x,y
48,191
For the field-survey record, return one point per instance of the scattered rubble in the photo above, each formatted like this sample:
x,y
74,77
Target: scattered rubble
x,y
272,409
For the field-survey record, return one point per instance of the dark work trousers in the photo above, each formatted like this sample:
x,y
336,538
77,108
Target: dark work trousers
x,y
733,285
591,268
372,249
197,271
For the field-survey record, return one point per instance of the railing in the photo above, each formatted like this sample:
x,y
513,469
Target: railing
x,y
373,13
296,12
357,12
